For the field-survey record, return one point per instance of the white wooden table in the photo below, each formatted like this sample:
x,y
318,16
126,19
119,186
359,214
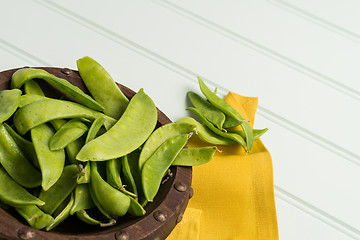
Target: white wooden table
x,y
301,58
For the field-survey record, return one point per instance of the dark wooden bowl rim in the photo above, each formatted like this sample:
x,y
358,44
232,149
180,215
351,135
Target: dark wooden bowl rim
x,y
162,215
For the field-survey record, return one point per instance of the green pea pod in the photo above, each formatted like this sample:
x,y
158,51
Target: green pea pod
x,y
128,179
82,198
85,217
159,136
102,87
34,216
230,111
43,111
31,87
63,215
94,128
113,177
257,133
25,145
156,166
73,147
233,136
15,163
135,208
13,194
26,99
67,133
26,74
194,156
55,195
206,134
128,133
51,162
9,102
112,201
212,114
231,122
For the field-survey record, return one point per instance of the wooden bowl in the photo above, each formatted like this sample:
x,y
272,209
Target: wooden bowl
x,y
161,215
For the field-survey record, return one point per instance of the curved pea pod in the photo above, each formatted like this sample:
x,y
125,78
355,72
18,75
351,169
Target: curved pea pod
x,y
112,201
128,178
13,194
62,215
34,216
26,74
55,195
229,111
67,133
102,87
113,175
82,198
257,133
26,99
15,163
51,162
32,87
194,156
43,111
206,134
9,102
73,147
85,217
233,136
156,166
160,135
212,114
25,145
135,208
94,128
128,133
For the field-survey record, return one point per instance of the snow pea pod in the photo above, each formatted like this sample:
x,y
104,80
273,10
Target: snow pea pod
x,y
55,195
112,201
82,198
160,135
34,216
194,156
32,87
102,87
128,179
230,111
51,162
257,133
113,177
13,194
26,74
43,111
85,217
206,134
9,102
135,208
128,133
67,133
212,114
64,214
233,136
15,163
25,145
156,166
94,128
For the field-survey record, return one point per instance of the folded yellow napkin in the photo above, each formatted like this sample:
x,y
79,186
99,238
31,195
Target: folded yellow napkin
x,y
233,193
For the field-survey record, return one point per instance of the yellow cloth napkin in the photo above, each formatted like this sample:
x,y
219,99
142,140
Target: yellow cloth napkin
x,y
233,193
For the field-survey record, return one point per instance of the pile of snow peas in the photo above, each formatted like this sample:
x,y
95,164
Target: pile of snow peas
x,y
219,120
98,157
